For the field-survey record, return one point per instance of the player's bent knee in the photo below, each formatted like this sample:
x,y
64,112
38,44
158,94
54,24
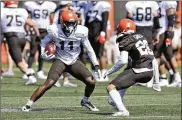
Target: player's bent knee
x,y
90,81
110,87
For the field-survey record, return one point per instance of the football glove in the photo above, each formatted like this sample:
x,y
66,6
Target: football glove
x,y
105,74
102,37
38,39
46,56
168,37
97,71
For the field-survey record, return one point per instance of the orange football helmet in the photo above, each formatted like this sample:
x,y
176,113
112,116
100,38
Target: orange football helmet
x,y
126,26
69,21
11,3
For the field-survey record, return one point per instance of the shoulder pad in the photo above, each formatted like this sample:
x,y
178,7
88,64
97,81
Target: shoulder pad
x,y
28,5
81,31
129,6
170,4
104,6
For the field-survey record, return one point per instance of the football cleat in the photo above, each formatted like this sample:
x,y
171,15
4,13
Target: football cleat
x,y
163,81
7,73
69,84
31,80
174,84
25,77
26,108
156,87
121,113
57,84
89,105
41,75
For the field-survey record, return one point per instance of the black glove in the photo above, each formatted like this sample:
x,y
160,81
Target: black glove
x,y
38,39
169,35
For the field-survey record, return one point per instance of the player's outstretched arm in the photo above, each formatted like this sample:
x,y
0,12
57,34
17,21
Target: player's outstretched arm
x,y
120,63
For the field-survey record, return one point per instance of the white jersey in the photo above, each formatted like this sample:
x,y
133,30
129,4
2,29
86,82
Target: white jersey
x,y
40,12
79,8
95,12
2,5
163,7
68,48
142,11
13,19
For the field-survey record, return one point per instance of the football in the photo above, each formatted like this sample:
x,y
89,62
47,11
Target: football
x,y
51,48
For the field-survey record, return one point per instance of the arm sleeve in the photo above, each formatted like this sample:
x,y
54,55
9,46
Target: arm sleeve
x,y
91,54
121,62
105,16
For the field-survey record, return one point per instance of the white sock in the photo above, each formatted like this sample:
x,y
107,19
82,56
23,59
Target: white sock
x,y
122,92
171,72
156,71
85,99
30,103
115,96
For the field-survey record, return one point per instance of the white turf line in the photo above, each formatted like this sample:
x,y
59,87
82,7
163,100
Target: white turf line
x,y
137,117
46,109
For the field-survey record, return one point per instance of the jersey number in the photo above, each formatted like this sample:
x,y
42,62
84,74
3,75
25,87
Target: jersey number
x,y
140,16
37,13
70,44
17,19
159,13
143,48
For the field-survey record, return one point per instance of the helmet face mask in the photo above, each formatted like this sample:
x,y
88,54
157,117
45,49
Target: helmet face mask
x,y
69,22
68,26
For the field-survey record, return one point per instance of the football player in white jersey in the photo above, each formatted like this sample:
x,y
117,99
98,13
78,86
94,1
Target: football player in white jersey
x,y
96,21
145,16
67,37
39,12
167,18
13,20
63,5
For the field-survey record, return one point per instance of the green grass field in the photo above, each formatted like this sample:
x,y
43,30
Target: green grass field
x,y
64,103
